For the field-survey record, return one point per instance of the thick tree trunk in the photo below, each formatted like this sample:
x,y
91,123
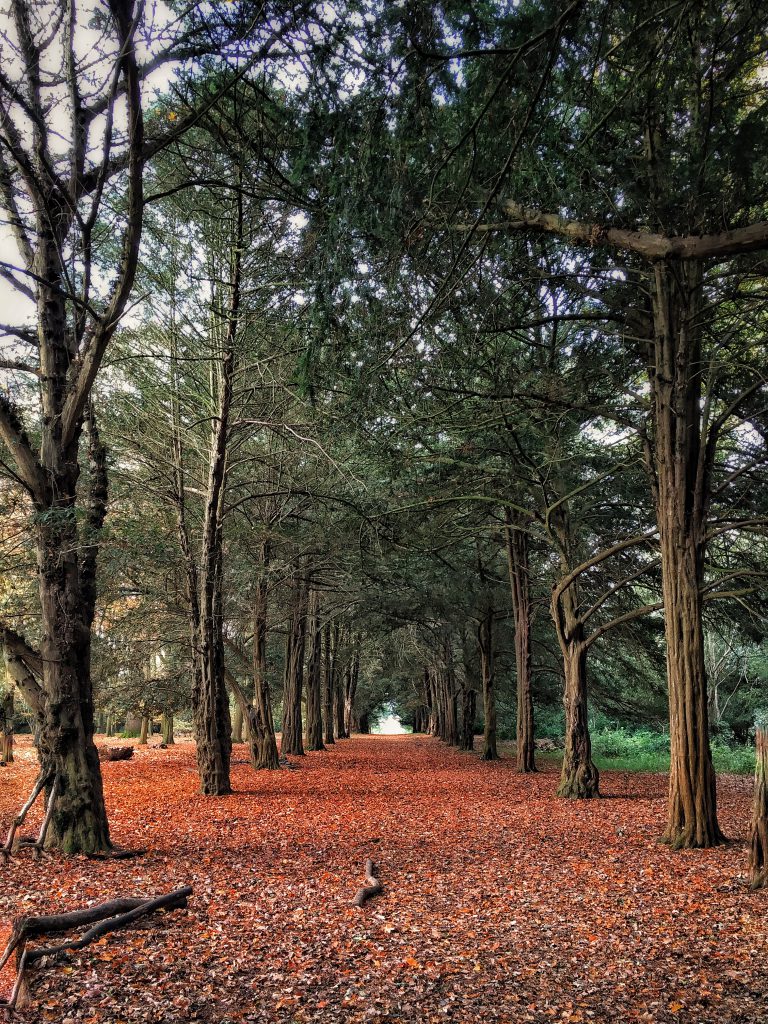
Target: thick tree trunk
x,y
758,840
144,731
517,556
680,465
293,681
314,739
327,685
263,742
66,747
364,724
166,727
487,674
579,778
468,712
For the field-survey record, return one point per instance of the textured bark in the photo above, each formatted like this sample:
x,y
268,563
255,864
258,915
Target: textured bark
x,y
67,586
237,724
579,778
327,685
351,679
339,669
758,837
314,739
6,727
263,742
449,694
210,700
166,728
293,680
468,712
144,731
517,557
71,345
487,674
681,468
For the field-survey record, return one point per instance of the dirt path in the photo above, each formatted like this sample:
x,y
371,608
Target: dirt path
x,y
501,902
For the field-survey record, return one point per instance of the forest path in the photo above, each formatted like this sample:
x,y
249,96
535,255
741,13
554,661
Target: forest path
x,y
501,902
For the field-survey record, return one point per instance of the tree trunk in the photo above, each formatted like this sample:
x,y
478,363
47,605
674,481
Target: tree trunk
x,y
263,742
517,557
210,700
468,711
364,724
327,685
485,646
166,727
351,678
450,694
758,849
579,778
314,740
237,725
293,681
144,731
66,746
339,670
6,727
680,466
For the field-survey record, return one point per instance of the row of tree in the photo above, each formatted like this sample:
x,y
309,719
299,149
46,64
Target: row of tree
x,y
420,343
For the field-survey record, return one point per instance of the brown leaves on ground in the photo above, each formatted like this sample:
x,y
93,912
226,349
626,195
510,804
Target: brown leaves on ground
x,y
501,903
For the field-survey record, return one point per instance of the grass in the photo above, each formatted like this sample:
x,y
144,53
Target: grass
x,y
647,751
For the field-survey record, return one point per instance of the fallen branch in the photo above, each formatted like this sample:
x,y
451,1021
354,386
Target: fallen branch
x,y
372,885
108,917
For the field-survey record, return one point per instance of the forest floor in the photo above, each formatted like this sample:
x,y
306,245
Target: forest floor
x,y
501,903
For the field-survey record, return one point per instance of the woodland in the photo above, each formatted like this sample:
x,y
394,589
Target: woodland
x,y
362,363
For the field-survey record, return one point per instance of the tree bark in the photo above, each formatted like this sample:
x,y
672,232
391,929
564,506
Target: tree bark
x,y
487,674
680,466
327,685
314,739
351,679
468,712
237,724
517,557
579,778
339,669
6,727
293,680
263,742
758,839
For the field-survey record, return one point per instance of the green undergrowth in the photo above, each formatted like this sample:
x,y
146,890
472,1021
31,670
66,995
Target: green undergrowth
x,y
647,751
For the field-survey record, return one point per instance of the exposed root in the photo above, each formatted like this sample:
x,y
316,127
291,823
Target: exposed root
x,y
372,885
108,917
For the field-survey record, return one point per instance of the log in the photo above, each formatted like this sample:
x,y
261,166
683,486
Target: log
x,y
115,753
107,917
372,885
